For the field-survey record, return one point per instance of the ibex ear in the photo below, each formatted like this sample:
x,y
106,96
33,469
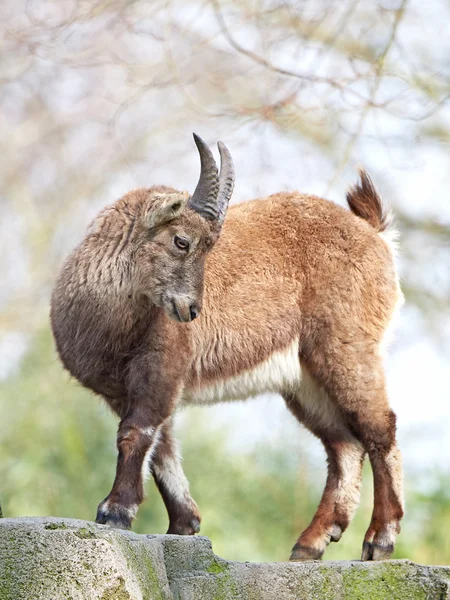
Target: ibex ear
x,y
165,207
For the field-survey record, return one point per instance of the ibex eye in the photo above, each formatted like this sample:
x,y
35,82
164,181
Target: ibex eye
x,y
181,243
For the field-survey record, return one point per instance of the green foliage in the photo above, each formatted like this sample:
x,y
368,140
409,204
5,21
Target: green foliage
x,y
57,445
57,457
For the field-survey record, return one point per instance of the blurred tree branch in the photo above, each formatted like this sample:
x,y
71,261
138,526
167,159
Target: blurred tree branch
x,y
91,90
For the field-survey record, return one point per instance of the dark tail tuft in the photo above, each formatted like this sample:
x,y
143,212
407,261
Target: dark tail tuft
x,y
364,202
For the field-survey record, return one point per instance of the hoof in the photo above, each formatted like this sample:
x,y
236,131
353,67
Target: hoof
x,y
374,551
335,533
195,524
189,528
300,552
115,515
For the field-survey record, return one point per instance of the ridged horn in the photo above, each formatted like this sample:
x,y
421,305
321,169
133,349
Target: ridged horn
x,y
204,198
213,192
226,182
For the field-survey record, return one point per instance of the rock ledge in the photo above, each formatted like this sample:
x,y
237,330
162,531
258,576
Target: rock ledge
x,y
66,559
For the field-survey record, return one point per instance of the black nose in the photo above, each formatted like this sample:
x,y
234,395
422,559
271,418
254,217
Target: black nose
x,y
194,310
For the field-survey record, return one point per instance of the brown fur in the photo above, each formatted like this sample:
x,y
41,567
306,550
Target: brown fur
x,y
286,268
364,201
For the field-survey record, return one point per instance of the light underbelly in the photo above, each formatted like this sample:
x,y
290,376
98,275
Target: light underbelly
x,y
279,373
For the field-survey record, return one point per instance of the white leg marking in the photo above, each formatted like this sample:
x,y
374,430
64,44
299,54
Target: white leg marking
x,y
395,465
148,431
388,535
149,454
129,510
171,474
347,493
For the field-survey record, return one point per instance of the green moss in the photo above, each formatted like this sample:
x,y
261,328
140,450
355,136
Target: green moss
x,y
217,567
155,587
85,534
6,584
116,593
224,583
385,581
328,583
140,562
225,587
87,566
60,525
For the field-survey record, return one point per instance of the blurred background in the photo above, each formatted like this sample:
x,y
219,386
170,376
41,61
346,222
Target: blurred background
x,y
99,97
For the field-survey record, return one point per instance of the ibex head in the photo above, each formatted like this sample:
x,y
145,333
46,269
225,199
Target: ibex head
x,y
179,231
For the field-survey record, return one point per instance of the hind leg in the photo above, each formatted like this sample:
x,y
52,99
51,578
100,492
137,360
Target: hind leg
x,y
353,376
345,455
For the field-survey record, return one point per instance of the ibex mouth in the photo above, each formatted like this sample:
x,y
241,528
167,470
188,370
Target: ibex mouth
x,y
182,312
175,314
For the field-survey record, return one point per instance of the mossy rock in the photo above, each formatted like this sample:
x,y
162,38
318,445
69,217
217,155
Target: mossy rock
x,y
47,558
64,559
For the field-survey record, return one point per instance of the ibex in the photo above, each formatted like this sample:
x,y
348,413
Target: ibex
x,y
293,295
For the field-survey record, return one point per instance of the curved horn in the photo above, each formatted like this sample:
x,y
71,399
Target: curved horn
x,y
226,181
204,198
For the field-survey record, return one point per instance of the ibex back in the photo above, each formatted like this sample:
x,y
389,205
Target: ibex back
x,y
295,295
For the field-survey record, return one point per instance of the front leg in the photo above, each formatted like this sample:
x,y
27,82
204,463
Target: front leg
x,y
152,395
135,444
184,517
